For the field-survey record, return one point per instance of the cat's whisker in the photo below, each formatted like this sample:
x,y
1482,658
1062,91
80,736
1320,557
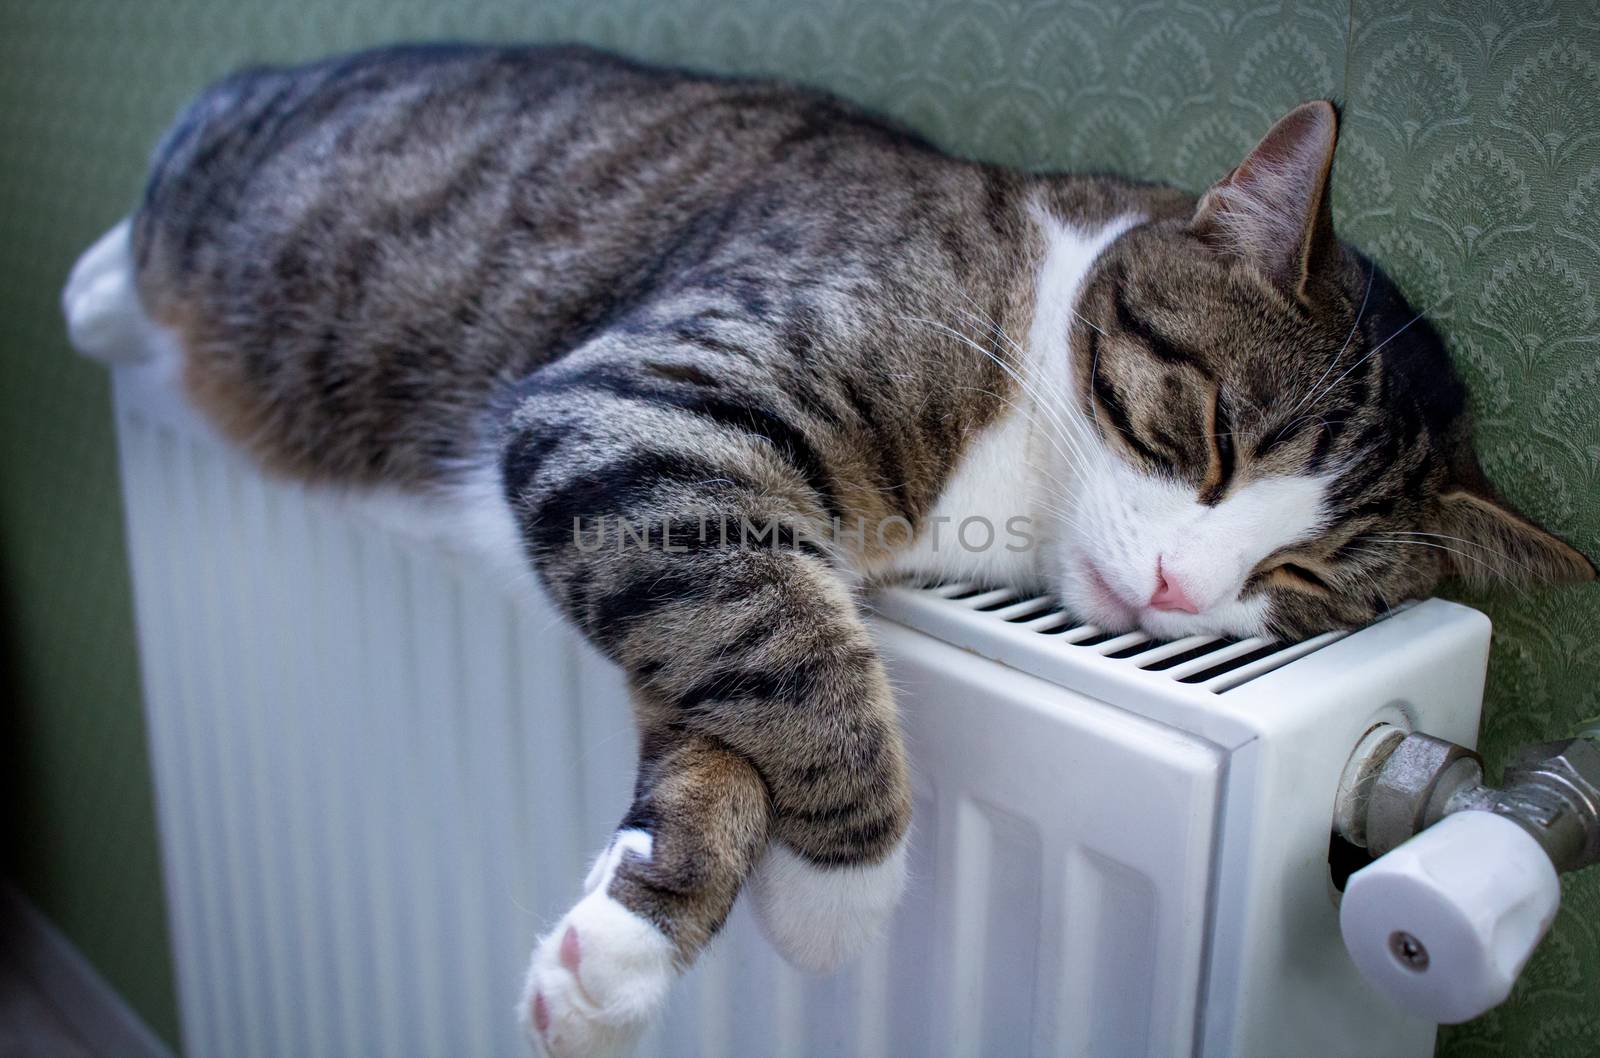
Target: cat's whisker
x,y
1071,458
1060,522
1065,517
1066,487
1470,543
1059,399
1374,351
1067,503
1370,581
1059,490
1024,383
978,313
1058,493
1087,322
1372,271
1312,414
1504,578
1062,501
1080,317
1070,516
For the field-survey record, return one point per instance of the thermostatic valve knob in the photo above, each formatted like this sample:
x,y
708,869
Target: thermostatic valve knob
x,y
1445,922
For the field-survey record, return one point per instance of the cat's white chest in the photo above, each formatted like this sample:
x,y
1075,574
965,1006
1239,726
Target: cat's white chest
x,y
985,525
998,513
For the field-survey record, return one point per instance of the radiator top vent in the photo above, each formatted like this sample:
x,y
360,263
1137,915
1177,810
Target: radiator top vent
x,y
1212,663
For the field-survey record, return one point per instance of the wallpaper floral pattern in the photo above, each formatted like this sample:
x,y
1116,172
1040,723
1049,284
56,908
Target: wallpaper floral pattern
x,y
1470,167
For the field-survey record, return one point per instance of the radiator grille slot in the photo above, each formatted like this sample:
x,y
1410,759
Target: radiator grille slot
x,y
1029,609
1236,663
1213,663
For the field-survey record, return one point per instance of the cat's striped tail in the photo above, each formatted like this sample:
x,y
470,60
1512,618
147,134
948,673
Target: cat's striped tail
x,y
105,319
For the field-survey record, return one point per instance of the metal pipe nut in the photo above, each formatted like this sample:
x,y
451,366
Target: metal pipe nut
x,y
1414,785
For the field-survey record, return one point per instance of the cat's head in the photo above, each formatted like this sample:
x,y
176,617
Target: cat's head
x,y
1269,439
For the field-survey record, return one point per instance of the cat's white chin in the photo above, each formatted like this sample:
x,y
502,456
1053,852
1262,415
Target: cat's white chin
x,y
1239,619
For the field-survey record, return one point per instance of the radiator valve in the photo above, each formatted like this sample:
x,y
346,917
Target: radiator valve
x,y
1464,884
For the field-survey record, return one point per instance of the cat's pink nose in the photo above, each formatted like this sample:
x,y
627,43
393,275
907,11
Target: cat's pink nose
x,y
1169,594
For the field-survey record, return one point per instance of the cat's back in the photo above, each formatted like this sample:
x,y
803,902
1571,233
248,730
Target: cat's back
x,y
331,241
427,151
390,143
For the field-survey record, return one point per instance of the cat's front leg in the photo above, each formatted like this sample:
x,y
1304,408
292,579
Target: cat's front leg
x,y
693,554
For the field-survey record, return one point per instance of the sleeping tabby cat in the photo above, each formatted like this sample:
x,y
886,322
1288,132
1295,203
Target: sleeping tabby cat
x,y
535,288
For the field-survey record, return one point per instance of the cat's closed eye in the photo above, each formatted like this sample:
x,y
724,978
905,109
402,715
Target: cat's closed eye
x,y
1294,574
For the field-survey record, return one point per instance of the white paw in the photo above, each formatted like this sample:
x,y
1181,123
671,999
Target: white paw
x,y
104,317
818,917
599,976
112,252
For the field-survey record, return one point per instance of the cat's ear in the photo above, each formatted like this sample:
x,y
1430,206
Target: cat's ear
x,y
1490,540
1273,209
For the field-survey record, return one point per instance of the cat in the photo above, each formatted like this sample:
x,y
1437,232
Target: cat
x,y
538,288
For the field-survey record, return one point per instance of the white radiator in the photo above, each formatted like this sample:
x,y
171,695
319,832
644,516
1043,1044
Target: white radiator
x,y
381,773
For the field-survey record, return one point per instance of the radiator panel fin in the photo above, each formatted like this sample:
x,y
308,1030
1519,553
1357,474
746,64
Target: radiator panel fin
x,y
1112,922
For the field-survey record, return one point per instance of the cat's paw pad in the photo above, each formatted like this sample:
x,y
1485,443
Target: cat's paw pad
x,y
599,976
821,917
596,981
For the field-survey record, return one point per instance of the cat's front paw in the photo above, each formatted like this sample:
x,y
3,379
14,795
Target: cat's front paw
x,y
598,978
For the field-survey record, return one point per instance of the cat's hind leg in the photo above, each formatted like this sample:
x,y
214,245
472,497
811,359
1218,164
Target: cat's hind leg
x,y
658,893
105,319
820,915
833,874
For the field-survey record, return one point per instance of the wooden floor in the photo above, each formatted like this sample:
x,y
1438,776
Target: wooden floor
x,y
31,1026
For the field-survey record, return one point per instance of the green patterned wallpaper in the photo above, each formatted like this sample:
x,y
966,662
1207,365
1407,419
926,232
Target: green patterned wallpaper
x,y
1470,167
